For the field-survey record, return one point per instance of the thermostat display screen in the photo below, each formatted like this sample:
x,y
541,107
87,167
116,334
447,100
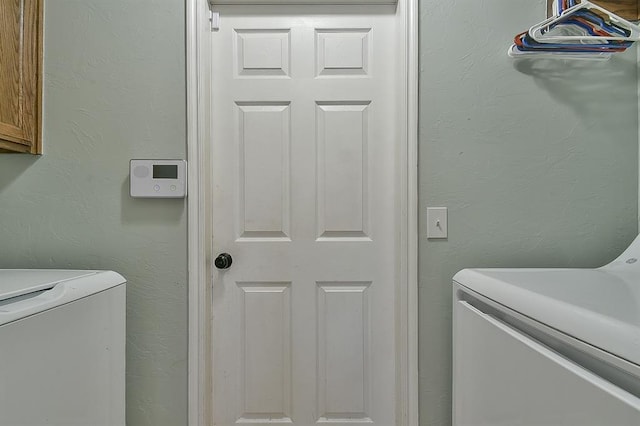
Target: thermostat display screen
x,y
165,171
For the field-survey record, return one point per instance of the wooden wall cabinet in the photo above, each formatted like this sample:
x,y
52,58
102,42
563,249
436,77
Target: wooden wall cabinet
x,y
21,27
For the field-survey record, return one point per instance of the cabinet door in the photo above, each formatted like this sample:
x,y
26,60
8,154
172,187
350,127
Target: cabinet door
x,y
20,75
627,9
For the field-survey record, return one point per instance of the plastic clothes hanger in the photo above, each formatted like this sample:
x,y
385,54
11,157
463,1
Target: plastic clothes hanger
x,y
613,28
582,29
514,52
578,31
579,24
524,42
560,6
583,24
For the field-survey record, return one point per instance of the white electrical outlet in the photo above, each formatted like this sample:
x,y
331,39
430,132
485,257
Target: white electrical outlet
x,y
437,222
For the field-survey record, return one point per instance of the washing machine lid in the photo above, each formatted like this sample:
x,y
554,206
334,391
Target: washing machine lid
x,y
25,292
20,282
598,306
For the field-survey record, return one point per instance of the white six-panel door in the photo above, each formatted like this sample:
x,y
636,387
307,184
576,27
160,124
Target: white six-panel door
x,y
304,171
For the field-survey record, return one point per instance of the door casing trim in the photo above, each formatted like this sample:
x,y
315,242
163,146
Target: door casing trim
x,y
199,132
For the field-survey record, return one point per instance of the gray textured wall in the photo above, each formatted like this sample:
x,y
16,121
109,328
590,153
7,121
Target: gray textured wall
x,y
114,90
538,165
537,162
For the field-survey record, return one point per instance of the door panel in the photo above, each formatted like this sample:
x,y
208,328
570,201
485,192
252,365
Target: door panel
x,y
263,135
266,350
304,160
344,351
343,208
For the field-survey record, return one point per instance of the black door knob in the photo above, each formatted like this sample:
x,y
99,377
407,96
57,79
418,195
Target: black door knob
x,y
223,261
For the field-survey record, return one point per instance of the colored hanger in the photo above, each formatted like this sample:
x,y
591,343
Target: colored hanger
x,y
614,28
579,30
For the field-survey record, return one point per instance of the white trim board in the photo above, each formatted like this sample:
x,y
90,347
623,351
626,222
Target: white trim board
x,y
198,131
199,230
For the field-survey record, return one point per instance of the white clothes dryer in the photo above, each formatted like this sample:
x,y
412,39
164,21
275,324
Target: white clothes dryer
x,y
549,347
62,348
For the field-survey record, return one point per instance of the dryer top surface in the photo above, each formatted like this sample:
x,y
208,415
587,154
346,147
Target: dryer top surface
x,y
600,307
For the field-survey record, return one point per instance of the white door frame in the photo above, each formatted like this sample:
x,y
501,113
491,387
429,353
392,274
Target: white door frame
x,y
199,224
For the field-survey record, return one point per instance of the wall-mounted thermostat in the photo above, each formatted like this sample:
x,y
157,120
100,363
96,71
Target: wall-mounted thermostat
x,y
158,178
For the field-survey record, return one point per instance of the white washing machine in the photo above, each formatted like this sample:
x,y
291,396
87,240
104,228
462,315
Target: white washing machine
x,y
548,346
62,348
